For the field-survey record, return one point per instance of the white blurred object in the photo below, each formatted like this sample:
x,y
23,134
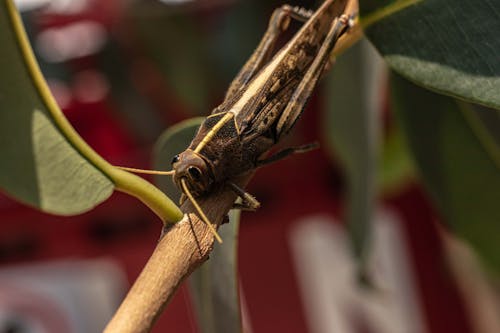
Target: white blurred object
x,y
478,290
67,6
24,5
60,297
333,299
53,6
71,41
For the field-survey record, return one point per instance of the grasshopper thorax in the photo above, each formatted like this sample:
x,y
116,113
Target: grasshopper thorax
x,y
196,172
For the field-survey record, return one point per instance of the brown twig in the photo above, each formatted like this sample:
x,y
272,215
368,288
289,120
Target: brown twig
x,y
182,249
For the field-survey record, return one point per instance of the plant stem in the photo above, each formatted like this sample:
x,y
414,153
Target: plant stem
x,y
182,249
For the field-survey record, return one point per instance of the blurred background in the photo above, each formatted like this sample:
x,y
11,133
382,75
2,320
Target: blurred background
x,y
124,71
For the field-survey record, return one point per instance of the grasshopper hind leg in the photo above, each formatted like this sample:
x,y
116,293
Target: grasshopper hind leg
x,y
278,24
249,202
301,94
287,152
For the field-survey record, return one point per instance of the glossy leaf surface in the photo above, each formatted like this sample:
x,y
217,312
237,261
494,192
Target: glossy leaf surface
x,y
456,148
448,46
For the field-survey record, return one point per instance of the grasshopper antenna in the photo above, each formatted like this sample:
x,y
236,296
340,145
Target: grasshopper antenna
x,y
148,172
199,210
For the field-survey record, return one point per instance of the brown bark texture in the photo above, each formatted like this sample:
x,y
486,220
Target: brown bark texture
x,y
181,249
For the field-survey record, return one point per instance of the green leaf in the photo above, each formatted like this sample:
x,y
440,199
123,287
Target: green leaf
x,y
38,165
457,151
354,102
451,47
44,162
214,286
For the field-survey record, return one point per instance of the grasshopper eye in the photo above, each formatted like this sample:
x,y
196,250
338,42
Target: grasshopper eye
x,y
194,172
175,159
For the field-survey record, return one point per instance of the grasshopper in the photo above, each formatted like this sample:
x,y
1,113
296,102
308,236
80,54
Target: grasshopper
x,y
261,105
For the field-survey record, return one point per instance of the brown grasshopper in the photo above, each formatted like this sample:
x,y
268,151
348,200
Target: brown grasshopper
x,y
261,105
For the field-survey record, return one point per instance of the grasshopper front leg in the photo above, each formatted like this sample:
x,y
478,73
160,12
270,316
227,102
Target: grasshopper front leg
x,y
248,201
278,24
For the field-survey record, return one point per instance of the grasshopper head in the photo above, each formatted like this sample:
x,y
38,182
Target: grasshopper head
x,y
193,168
